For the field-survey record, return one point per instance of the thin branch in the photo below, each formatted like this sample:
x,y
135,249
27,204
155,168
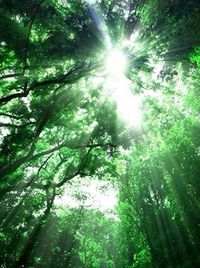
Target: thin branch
x,y
12,116
66,179
70,77
28,35
38,172
73,147
25,89
10,75
16,126
80,169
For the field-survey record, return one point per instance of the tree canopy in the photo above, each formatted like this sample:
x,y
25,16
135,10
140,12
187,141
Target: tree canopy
x,y
101,93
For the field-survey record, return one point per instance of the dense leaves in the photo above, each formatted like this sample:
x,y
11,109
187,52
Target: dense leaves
x,y
60,122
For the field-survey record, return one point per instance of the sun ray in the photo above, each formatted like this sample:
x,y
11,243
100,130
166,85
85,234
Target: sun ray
x,y
119,88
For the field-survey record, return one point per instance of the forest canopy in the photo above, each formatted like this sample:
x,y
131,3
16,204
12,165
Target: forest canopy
x,y
99,100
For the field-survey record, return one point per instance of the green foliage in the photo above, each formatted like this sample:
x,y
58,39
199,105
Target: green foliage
x,y
57,123
195,56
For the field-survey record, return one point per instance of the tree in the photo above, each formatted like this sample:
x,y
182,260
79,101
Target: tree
x,y
58,122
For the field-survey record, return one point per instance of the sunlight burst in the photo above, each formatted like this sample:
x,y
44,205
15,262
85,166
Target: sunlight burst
x,y
116,62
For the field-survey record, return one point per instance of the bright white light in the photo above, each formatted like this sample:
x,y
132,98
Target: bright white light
x,y
118,87
128,105
90,193
134,36
92,1
116,62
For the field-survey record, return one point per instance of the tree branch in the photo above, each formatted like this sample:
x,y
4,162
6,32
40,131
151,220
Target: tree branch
x,y
13,166
38,172
80,169
12,116
13,96
70,77
10,75
16,126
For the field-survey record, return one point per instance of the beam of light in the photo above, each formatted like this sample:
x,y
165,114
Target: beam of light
x,y
128,105
99,23
118,86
